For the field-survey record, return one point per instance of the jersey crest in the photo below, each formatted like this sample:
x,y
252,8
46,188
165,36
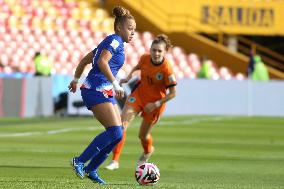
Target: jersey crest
x,y
159,76
114,44
132,99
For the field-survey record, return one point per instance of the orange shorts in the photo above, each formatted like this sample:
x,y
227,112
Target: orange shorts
x,y
138,105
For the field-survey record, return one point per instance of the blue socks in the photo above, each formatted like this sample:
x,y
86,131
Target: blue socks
x,y
99,149
97,160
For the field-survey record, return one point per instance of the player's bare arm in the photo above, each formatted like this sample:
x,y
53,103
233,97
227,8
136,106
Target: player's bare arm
x,y
79,70
135,68
104,66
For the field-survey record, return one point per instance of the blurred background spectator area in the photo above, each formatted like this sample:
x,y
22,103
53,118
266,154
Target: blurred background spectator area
x,y
65,29
213,40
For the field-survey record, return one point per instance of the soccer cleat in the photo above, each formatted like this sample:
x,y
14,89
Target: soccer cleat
x,y
112,165
93,175
78,167
145,157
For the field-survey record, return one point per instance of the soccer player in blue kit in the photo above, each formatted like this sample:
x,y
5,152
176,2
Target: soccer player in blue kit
x,y
97,93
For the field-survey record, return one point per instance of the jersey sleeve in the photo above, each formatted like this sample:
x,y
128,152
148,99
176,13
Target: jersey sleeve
x,y
95,51
170,79
141,60
110,44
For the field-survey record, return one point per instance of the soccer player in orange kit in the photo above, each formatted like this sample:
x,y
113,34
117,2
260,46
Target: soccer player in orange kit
x,y
148,97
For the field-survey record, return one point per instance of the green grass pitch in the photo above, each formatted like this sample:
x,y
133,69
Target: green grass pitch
x,y
194,152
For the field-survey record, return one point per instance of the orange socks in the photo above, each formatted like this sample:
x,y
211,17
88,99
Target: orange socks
x,y
147,144
118,148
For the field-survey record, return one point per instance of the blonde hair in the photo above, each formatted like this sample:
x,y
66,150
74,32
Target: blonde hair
x,y
163,38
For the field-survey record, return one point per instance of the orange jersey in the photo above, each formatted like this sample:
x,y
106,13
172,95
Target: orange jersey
x,y
155,79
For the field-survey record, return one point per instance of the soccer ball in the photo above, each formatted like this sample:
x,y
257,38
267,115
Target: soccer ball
x,y
147,174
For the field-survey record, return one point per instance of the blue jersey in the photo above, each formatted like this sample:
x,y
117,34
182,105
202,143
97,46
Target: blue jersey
x,y
96,79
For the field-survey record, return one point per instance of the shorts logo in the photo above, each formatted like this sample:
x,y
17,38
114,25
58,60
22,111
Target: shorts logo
x,y
131,99
159,76
106,90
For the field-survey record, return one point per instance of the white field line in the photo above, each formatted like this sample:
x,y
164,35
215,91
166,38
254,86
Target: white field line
x,y
66,130
51,132
195,121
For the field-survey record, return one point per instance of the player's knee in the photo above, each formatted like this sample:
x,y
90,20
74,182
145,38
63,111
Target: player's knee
x,y
142,137
120,133
116,133
125,124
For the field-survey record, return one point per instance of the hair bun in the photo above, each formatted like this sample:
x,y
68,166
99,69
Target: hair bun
x,y
119,11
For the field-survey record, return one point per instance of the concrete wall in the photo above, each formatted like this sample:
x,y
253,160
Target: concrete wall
x,y
208,97
199,97
26,97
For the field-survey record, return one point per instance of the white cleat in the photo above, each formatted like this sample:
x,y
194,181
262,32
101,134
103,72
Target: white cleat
x,y
112,165
145,157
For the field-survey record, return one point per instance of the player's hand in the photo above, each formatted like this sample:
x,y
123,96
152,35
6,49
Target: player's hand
x,y
73,86
152,106
149,107
119,91
123,81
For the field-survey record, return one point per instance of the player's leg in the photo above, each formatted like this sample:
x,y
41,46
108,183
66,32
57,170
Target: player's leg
x,y
118,148
104,142
146,140
106,115
128,114
149,120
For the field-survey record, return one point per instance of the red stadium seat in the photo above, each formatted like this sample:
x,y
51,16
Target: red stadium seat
x,y
65,30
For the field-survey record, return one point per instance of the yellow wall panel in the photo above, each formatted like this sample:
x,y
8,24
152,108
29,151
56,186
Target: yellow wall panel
x,y
229,16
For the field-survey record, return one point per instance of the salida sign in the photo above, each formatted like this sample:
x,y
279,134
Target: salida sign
x,y
237,16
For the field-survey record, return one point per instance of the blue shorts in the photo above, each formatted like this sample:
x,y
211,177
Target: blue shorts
x,y
91,98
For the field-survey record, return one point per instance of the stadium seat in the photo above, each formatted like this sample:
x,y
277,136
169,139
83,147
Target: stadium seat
x,y
182,64
100,14
187,71
66,29
17,10
4,59
25,21
7,70
107,24
195,65
215,76
240,76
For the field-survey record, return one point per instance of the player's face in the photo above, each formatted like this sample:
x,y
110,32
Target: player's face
x,y
158,52
127,30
